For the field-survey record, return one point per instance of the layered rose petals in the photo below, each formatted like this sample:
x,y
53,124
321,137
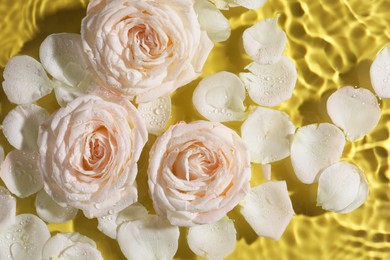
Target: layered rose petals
x,y
89,152
198,172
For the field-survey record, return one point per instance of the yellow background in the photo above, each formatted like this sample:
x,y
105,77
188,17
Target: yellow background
x,y
332,44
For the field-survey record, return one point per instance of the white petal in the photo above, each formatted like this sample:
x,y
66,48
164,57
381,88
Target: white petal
x,y
21,126
8,209
267,134
62,56
265,42
25,80
81,252
65,93
338,187
213,241
221,4
20,173
148,238
355,110
270,85
250,4
212,21
1,154
220,97
315,147
25,239
268,209
380,73
156,114
266,169
50,211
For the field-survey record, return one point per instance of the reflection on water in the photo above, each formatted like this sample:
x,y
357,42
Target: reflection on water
x,y
332,43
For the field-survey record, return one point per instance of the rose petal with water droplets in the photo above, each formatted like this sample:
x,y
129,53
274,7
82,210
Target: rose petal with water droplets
x,y
148,238
156,114
65,94
8,209
21,126
355,110
267,134
265,42
81,252
270,85
20,173
212,21
315,147
339,186
48,210
220,97
268,209
380,73
25,80
250,4
24,239
213,241
266,169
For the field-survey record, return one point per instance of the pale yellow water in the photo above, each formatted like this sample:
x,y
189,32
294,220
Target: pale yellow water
x,y
332,43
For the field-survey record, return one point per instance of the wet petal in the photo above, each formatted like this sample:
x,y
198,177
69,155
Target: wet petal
x,y
8,209
21,125
62,56
213,241
148,238
380,73
267,133
20,173
156,114
270,85
268,209
265,42
355,110
266,169
315,147
48,210
24,239
342,187
220,97
25,80
65,94
250,4
81,252
212,21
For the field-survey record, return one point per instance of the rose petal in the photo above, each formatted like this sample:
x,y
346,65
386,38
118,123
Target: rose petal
x,y
339,186
65,94
250,4
24,239
220,97
270,85
268,209
212,21
266,169
315,147
81,252
20,173
355,110
380,73
21,126
213,241
265,42
25,80
1,153
50,211
148,238
267,134
156,114
62,56
8,209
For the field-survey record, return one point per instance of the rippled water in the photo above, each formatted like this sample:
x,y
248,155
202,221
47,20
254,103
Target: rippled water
x,y
332,43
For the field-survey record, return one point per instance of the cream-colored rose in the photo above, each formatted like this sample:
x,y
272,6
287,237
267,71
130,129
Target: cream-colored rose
x,y
144,49
89,152
198,172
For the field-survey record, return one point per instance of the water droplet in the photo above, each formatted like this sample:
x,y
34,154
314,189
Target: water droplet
x,y
98,206
158,111
111,211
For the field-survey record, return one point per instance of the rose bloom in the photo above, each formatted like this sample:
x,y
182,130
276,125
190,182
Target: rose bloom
x,y
198,172
89,152
144,48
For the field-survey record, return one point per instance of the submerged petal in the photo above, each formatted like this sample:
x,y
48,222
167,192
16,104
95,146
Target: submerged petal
x,y
380,73
156,114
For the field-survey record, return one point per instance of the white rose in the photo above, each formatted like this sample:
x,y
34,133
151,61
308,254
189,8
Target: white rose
x,y
144,49
198,172
89,152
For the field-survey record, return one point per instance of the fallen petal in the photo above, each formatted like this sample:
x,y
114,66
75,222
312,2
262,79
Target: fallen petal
x,y
268,209
315,147
250,4
8,209
355,110
213,241
81,252
156,114
65,94
380,73
220,97
266,169
25,80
